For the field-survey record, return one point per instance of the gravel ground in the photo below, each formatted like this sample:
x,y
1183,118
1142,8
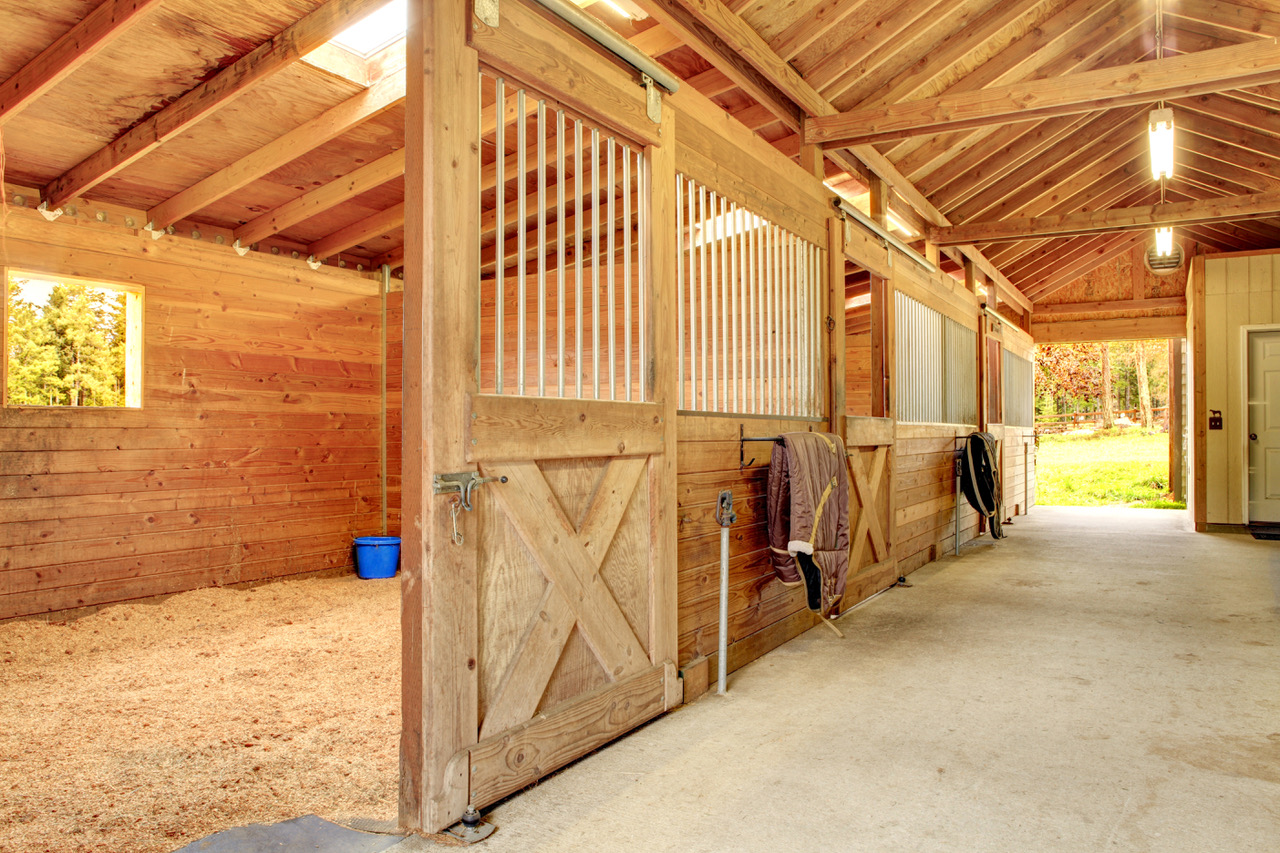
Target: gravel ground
x,y
145,726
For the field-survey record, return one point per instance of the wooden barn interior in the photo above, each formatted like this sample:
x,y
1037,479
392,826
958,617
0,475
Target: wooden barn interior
x,y
520,283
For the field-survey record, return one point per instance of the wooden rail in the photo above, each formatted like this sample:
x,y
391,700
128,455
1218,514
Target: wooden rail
x,y
1061,423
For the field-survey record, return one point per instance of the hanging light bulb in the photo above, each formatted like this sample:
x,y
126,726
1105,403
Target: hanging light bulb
x,y
1164,241
1160,135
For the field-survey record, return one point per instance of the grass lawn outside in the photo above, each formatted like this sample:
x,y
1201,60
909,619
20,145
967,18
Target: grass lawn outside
x,y
1105,468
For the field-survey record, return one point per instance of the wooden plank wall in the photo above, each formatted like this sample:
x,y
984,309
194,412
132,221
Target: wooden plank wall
x,y
857,361
1018,461
1239,290
925,487
763,614
256,452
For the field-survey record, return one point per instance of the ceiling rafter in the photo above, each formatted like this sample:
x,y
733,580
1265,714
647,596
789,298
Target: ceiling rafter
x,y
279,52
1253,206
1090,257
1129,184
886,21
1249,20
1036,181
1139,83
325,127
356,233
74,48
367,177
1045,52
807,29
695,29
924,55
715,29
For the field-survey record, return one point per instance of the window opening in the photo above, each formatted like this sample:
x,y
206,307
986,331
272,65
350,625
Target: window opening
x,y
72,342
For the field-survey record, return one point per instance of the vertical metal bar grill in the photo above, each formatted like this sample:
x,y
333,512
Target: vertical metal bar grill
x,y
573,240
750,297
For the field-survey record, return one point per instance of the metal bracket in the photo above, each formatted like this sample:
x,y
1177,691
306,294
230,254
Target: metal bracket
x,y
240,250
652,98
313,262
471,828
487,12
725,515
463,483
48,214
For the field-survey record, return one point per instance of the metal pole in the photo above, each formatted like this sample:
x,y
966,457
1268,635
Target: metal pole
x,y
726,517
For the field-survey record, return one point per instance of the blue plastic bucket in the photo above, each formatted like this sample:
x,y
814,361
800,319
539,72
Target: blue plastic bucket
x,y
377,556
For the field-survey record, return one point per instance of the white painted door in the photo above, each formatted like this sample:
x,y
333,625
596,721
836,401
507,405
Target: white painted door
x,y
1264,426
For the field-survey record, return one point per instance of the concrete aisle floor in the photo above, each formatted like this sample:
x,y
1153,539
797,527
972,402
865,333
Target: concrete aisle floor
x,y
1103,679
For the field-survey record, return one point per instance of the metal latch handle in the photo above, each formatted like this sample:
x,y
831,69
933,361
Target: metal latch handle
x,y
463,483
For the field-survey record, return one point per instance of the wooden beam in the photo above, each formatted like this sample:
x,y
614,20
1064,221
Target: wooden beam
x,y
1089,257
198,103
710,28
329,125
1161,302
1229,209
73,49
1117,329
691,24
438,616
332,194
1105,88
357,232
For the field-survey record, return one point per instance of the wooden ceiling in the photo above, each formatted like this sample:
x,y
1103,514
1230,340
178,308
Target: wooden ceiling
x,y
204,115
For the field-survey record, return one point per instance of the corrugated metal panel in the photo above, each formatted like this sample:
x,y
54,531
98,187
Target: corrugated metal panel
x,y
919,346
1019,391
961,371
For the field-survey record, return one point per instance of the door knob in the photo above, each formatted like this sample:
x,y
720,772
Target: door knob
x,y
1253,436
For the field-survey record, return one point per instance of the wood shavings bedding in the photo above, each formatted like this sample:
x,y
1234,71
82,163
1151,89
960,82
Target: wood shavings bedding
x,y
147,725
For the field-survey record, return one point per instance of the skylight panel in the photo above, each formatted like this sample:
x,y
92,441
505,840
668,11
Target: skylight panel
x,y
379,30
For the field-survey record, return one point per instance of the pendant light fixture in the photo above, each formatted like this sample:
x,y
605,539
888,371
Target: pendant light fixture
x,y
1160,121
1160,135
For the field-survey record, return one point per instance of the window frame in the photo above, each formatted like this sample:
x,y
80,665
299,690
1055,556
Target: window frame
x,y
135,335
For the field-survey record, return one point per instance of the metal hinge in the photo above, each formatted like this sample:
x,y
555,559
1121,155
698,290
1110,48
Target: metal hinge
x,y
487,12
463,483
652,98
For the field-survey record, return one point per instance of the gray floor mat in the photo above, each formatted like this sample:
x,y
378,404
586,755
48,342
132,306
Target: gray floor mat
x,y
307,834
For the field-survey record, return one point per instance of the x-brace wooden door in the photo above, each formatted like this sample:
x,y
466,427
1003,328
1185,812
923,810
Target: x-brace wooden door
x,y
575,586
570,418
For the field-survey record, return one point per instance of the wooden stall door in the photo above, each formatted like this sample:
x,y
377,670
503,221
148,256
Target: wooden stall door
x,y
572,582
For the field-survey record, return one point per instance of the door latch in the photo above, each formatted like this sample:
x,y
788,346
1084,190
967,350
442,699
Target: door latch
x,y
463,483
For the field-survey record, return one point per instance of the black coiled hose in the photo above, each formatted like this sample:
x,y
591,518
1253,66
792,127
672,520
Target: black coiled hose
x,y
980,479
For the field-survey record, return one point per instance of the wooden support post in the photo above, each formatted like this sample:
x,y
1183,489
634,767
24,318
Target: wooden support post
x,y
1198,493
984,323
438,603
812,161
972,276
667,372
1175,420
835,342
881,314
881,194
931,253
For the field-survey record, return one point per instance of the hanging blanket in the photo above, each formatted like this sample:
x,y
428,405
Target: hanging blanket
x,y
809,515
